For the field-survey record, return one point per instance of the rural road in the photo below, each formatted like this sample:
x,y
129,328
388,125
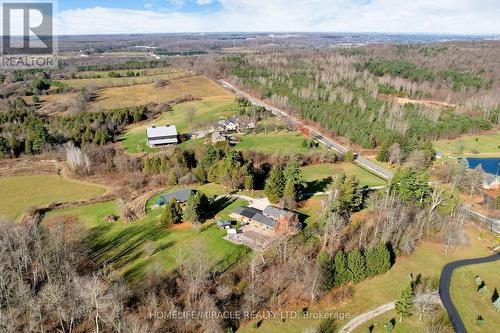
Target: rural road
x,y
444,288
367,164
360,160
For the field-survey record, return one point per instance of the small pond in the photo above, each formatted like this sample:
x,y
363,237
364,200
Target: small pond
x,y
489,165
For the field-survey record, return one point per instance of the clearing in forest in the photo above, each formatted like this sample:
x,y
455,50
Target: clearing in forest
x,y
20,192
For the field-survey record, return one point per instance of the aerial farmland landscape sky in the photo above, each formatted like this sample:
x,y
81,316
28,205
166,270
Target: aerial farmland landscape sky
x,y
250,166
154,16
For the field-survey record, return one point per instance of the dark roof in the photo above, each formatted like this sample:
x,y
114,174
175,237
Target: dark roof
x,y
179,195
254,214
221,223
275,212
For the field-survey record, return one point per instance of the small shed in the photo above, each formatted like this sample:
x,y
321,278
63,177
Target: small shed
x,y
223,223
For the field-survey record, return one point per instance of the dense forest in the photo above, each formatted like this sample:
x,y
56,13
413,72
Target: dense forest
x,y
343,94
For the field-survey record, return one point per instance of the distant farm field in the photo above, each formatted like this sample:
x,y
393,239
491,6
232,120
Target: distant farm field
x,y
471,145
278,142
20,192
206,110
120,246
319,176
469,302
123,72
107,81
196,87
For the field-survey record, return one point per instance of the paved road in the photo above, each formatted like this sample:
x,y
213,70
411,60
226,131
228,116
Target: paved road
x,y
444,288
363,162
494,225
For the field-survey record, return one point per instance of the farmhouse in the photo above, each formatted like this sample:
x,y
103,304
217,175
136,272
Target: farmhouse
x,y
162,135
180,195
234,124
272,218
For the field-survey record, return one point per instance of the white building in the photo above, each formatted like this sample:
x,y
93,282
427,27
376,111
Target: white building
x,y
162,135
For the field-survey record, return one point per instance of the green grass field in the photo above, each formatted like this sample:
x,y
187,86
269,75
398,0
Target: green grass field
x,y
274,143
20,192
428,260
469,302
106,81
319,176
105,74
207,110
471,145
120,246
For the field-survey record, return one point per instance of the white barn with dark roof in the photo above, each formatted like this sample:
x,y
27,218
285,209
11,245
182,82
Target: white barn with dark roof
x,y
162,135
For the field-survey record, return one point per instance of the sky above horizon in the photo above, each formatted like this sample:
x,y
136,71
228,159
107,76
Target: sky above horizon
x,y
163,16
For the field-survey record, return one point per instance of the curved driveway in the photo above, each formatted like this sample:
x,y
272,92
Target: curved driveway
x,y
444,288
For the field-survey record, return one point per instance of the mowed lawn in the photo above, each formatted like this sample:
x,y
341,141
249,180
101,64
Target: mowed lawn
x,y
196,87
319,176
207,110
20,192
469,302
120,246
279,142
471,145
428,260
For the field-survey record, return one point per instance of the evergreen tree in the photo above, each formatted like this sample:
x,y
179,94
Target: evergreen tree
x,y
200,174
275,184
378,260
356,265
383,152
248,183
429,151
294,179
404,304
289,193
327,268
172,213
384,258
372,262
410,185
197,207
172,179
3,147
341,270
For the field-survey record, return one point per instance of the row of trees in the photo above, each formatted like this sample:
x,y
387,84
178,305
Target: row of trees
x,y
354,266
